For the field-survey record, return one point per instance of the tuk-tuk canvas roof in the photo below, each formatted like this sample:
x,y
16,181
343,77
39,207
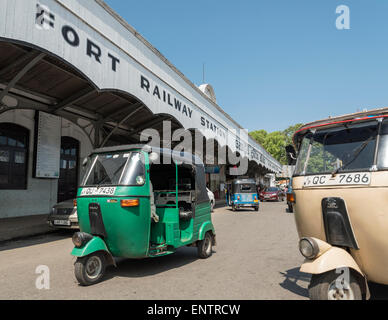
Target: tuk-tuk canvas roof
x,y
183,157
362,115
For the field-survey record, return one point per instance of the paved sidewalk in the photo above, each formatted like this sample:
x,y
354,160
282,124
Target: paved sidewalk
x,y
13,228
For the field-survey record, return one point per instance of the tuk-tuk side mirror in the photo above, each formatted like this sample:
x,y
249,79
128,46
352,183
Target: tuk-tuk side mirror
x,y
85,161
291,155
153,157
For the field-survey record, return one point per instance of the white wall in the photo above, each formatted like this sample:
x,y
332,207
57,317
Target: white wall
x,y
41,194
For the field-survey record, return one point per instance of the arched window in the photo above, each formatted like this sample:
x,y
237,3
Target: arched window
x,y
13,156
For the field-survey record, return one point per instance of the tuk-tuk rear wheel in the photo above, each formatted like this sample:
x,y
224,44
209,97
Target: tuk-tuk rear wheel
x,y
324,287
205,246
89,270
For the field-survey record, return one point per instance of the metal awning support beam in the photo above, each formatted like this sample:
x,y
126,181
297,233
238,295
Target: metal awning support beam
x,y
147,125
26,57
136,105
119,124
3,108
73,99
51,64
21,73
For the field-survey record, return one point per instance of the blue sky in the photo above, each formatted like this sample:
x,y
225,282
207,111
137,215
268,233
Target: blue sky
x,y
273,63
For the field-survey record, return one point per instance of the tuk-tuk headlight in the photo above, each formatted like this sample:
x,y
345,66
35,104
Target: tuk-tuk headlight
x,y
308,248
81,238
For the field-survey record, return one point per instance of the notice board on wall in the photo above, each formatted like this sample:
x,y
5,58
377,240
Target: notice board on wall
x,y
47,145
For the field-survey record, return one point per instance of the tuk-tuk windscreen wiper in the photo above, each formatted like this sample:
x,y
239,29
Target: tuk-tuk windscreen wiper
x,y
247,187
345,148
354,156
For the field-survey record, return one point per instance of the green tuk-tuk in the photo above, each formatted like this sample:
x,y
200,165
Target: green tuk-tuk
x,y
138,201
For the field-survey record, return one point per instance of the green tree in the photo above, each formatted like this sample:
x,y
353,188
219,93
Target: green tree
x,y
289,132
260,136
275,142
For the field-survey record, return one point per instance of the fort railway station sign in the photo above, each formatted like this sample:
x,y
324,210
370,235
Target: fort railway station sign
x,y
107,64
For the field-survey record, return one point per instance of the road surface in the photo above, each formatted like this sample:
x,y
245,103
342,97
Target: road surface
x,y
256,258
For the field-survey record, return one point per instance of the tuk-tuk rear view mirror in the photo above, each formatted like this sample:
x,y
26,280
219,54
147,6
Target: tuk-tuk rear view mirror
x,y
85,161
291,155
153,157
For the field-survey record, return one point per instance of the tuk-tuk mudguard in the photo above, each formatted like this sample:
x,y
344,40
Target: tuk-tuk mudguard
x,y
332,259
207,226
94,245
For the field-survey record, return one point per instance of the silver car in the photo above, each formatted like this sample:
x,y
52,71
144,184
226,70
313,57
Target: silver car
x,y
64,215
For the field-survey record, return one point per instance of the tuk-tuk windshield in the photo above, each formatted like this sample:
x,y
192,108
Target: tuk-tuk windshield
x,y
340,149
245,188
382,160
117,168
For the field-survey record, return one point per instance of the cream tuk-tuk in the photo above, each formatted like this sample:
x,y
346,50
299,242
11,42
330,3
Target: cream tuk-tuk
x,y
340,195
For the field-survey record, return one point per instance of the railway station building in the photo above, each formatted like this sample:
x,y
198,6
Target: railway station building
x,y
75,76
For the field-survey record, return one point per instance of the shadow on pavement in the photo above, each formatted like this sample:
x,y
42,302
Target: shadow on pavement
x,y
290,283
243,210
36,240
292,276
378,291
135,268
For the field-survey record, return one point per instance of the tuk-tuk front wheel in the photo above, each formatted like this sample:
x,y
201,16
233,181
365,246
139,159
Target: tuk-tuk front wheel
x,y
326,287
205,246
89,270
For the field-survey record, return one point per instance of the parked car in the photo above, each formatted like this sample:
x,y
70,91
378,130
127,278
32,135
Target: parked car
x,y
211,197
272,194
64,215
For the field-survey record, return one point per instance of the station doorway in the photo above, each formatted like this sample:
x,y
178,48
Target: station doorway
x,y
69,165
